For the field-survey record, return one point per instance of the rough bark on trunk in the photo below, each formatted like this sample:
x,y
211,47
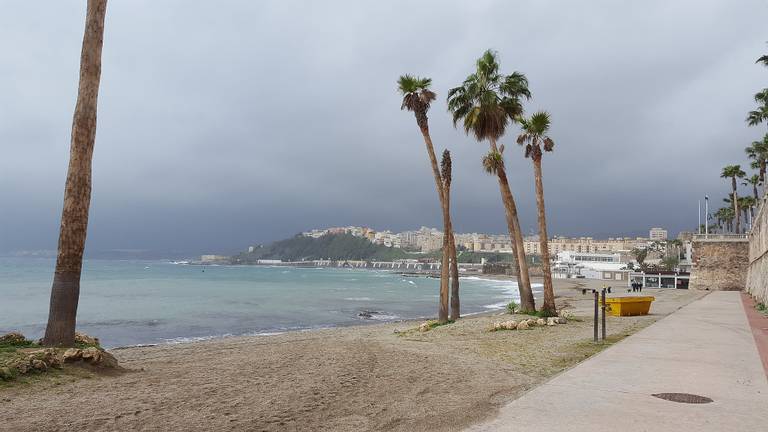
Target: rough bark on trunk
x,y
520,265
549,294
454,267
442,314
65,290
736,205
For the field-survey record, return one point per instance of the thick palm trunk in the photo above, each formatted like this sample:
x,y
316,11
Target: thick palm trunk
x,y
549,294
442,315
519,264
454,267
65,291
736,205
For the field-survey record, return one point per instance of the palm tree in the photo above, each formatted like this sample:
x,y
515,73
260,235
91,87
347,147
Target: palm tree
x,y
487,102
747,205
759,115
733,172
753,181
65,290
758,153
640,254
417,97
534,137
446,170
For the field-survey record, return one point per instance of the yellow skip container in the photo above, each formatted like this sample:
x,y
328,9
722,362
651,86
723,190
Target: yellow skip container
x,y
629,306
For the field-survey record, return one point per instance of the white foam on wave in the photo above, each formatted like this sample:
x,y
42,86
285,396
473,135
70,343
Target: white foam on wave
x,y
358,299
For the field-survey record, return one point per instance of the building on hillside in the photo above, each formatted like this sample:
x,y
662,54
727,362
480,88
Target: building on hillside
x,y
657,234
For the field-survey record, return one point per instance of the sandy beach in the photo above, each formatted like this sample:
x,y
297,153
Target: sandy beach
x,y
384,377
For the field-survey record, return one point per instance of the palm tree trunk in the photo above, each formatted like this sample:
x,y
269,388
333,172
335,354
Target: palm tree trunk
x,y
519,264
736,205
451,251
442,315
549,294
65,290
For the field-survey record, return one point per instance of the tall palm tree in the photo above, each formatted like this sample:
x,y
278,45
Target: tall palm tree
x,y
446,170
753,181
417,98
65,290
534,137
487,102
733,172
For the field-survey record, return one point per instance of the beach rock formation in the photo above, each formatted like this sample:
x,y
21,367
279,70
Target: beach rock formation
x,y
565,314
523,325
424,327
92,355
84,339
13,338
551,321
541,322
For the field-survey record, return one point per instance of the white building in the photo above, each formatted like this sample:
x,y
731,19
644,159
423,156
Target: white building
x,y
658,234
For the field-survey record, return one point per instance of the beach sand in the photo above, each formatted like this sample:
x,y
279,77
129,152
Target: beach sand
x,y
362,378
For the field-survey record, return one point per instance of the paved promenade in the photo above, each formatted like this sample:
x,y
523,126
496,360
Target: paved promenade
x,y
706,348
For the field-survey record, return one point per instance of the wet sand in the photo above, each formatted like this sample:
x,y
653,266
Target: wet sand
x,y
363,378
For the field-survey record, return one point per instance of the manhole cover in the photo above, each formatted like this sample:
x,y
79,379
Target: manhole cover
x,y
683,398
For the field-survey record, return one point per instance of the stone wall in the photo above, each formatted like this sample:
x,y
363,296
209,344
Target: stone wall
x,y
757,277
719,264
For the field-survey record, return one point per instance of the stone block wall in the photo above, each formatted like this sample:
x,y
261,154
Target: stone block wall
x,y
719,264
757,277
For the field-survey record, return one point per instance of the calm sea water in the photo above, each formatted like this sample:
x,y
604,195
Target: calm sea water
x,y
145,302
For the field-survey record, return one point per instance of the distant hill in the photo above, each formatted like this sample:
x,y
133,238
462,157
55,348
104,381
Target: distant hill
x,y
331,246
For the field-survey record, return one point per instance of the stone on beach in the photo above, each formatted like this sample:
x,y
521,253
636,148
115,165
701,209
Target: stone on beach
x,y
424,327
541,322
523,325
551,321
13,338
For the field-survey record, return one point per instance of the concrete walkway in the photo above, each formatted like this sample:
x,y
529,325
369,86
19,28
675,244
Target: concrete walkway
x,y
705,348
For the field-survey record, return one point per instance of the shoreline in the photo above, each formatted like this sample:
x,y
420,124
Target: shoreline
x,y
381,377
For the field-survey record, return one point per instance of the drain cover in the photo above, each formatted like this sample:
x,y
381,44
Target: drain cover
x,y
683,398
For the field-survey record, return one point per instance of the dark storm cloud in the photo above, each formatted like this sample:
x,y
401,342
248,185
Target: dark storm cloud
x,y
227,123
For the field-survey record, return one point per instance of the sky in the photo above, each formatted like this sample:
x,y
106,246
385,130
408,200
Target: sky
x,y
226,124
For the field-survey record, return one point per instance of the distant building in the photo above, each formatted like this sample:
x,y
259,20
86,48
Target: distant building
x,y
658,234
213,258
250,249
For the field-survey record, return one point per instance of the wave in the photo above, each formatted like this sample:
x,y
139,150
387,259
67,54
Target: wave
x,y
358,299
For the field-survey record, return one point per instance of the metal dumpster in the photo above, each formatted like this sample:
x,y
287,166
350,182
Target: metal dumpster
x,y
629,306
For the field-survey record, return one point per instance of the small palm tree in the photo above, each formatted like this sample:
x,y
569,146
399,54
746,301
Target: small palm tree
x,y
486,103
417,98
753,181
747,205
733,172
65,290
535,139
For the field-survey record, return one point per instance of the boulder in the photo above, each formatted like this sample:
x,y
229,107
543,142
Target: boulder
x,y
91,355
82,338
21,366
561,320
13,338
551,321
565,314
510,325
72,355
6,374
424,327
541,322
108,360
38,365
523,325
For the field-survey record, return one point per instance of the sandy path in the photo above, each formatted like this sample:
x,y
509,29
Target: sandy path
x,y
348,379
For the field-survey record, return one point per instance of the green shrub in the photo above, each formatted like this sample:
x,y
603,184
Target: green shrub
x,y
512,307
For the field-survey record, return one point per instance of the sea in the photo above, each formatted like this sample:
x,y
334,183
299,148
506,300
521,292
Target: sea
x,y
129,303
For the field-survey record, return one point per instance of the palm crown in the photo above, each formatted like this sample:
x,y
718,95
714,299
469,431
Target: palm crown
x,y
417,96
760,114
534,134
487,100
733,171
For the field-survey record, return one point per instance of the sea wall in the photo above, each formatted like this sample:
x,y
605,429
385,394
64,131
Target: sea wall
x,y
719,263
757,276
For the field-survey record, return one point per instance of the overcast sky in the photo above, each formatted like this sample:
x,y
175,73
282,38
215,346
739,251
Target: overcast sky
x,y
223,124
